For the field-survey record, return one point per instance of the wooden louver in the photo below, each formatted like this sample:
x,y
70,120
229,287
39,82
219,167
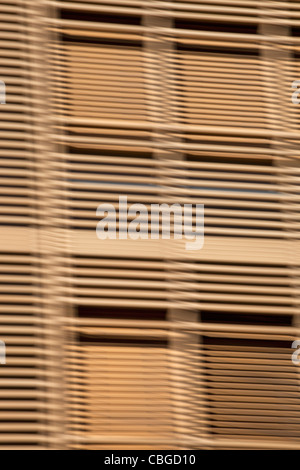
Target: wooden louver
x,y
142,344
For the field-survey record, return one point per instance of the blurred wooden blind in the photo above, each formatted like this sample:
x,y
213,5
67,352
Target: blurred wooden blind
x,y
164,102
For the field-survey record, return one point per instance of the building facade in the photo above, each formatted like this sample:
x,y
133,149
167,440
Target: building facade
x,y
123,344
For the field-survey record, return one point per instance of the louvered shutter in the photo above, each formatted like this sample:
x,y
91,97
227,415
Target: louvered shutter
x,y
164,102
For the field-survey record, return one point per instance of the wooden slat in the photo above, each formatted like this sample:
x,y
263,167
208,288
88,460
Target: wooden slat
x,y
124,344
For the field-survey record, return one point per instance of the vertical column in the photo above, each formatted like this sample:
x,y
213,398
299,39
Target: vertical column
x,y
189,422
50,234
